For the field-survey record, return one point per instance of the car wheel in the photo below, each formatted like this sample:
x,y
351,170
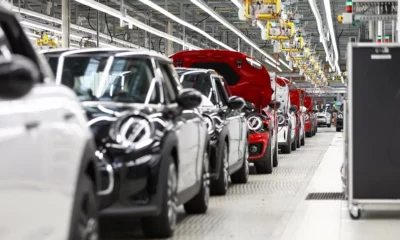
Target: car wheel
x,y
163,225
309,134
275,157
242,175
294,145
298,141
338,129
199,203
220,185
85,213
265,165
303,140
287,148
329,125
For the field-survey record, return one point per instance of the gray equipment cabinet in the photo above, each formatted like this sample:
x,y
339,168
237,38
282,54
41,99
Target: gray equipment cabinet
x,y
372,126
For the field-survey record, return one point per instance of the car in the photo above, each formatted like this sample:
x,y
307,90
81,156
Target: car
x,y
227,127
249,79
339,119
324,116
286,116
309,117
50,171
149,129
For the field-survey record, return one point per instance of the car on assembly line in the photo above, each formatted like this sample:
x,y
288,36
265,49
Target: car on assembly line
x,y
148,128
226,124
50,172
286,119
324,116
309,117
249,79
339,118
296,98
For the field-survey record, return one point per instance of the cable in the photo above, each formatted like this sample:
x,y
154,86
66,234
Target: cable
x,y
88,19
108,29
204,18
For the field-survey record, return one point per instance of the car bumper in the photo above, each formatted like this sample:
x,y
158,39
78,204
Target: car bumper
x,y
322,121
137,190
260,141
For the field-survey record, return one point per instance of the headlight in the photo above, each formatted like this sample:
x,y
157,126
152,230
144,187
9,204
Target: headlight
x,y
281,119
340,115
306,117
209,123
132,130
255,123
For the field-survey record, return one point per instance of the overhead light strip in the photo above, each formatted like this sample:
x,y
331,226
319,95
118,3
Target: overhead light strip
x,y
115,13
273,65
184,23
220,19
332,32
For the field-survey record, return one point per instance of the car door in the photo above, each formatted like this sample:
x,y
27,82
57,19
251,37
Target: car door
x,y
187,131
233,120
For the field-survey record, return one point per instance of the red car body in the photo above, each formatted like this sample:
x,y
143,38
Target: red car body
x,y
246,78
310,121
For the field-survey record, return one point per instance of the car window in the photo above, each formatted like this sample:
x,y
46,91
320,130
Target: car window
x,y
201,82
221,92
227,90
170,82
129,80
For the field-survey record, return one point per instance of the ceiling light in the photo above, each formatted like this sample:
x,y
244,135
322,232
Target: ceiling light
x,y
327,5
285,64
273,65
115,13
220,19
184,23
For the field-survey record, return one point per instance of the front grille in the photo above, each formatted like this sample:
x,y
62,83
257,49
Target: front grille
x,y
325,196
258,151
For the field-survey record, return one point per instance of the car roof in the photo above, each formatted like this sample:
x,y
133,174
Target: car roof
x,y
117,52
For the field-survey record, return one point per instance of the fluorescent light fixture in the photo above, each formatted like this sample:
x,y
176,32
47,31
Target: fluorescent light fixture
x,y
285,64
73,26
273,65
184,23
327,5
115,13
220,19
236,2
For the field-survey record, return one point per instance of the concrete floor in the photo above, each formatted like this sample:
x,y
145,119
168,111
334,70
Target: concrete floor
x,y
272,207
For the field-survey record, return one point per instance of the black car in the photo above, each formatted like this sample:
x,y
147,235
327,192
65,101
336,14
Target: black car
x,y
146,126
227,127
339,119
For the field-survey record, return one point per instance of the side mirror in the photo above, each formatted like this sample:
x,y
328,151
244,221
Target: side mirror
x,y
189,98
272,104
18,75
293,108
236,103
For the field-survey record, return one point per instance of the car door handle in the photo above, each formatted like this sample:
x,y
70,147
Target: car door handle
x,y
31,125
68,116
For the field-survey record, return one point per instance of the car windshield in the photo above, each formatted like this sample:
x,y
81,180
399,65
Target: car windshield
x,y
128,80
53,62
199,81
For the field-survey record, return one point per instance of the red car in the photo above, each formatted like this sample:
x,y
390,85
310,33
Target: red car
x,y
249,79
310,118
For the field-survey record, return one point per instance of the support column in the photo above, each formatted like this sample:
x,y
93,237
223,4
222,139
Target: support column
x,y
371,30
65,18
182,11
98,27
170,46
393,30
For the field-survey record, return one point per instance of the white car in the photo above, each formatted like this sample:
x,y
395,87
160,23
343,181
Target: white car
x,y
286,115
49,171
324,117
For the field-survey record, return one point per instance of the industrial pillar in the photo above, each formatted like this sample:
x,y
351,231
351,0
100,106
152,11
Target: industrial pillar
x,y
182,10
371,30
65,19
170,45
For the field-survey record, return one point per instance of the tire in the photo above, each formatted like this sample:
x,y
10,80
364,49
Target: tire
x,y
309,134
242,175
298,142
85,213
329,125
163,225
287,148
275,156
294,145
220,186
338,129
264,165
303,140
199,203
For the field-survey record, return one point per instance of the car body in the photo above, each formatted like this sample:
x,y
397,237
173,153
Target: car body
x,y
148,128
49,172
286,116
310,116
227,127
249,79
324,116
339,118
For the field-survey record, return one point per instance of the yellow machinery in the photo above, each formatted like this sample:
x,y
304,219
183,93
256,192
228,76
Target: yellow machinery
x,y
292,45
262,10
280,30
47,41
